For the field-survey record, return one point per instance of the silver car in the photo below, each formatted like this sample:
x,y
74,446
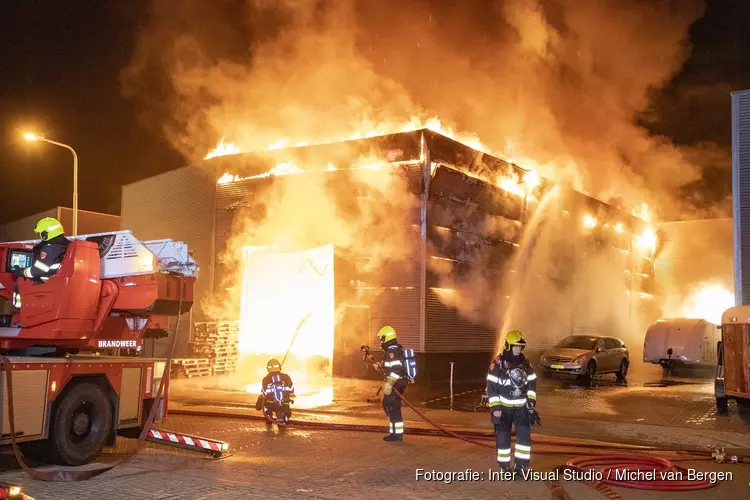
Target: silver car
x,y
587,356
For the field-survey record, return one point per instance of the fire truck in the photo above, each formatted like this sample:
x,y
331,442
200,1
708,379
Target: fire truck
x,y
76,345
733,368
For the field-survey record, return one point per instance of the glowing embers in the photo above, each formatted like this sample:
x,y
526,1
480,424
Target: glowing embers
x,y
287,304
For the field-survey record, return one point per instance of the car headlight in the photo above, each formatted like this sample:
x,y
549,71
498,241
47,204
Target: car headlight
x,y
579,359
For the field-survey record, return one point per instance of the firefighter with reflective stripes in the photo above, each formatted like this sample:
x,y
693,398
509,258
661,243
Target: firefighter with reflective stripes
x,y
278,392
395,378
511,388
46,255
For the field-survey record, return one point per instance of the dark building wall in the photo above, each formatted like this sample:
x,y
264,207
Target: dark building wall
x,y
88,223
179,205
23,229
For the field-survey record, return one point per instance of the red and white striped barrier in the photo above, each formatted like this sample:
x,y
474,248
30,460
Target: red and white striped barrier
x,y
188,442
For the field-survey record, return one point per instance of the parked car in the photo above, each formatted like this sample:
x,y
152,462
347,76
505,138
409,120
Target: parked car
x,y
587,356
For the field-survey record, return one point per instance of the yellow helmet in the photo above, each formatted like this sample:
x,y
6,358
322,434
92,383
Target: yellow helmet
x,y
48,228
273,365
514,337
386,333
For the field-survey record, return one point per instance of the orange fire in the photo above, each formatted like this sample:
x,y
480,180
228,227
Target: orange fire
x,y
223,149
707,302
367,130
287,310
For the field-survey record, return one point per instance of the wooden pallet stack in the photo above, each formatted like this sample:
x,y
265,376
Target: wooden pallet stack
x,y
217,342
191,367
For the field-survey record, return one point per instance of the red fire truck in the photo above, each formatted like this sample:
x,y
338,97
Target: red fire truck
x,y
79,377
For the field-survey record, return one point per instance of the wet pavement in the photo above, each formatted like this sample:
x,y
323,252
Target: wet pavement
x,y
286,464
646,397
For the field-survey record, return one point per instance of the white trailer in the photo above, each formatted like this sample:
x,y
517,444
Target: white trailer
x,y
681,342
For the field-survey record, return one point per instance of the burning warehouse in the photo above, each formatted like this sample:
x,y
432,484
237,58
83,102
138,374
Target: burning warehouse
x,y
319,246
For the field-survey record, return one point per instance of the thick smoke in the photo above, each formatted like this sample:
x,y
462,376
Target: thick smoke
x,y
558,83
554,85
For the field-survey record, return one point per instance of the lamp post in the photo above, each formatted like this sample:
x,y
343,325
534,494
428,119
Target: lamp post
x,y
33,137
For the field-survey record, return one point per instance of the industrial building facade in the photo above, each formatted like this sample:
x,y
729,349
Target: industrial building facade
x,y
463,227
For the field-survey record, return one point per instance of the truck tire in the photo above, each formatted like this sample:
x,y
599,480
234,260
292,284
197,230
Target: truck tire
x,y
81,424
722,405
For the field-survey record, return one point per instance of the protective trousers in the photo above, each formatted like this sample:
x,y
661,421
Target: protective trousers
x,y
519,417
392,407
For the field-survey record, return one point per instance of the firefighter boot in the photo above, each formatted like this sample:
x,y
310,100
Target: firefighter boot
x,y
392,438
520,472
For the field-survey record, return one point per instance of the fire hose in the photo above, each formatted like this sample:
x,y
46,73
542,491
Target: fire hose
x,y
79,474
619,464
661,468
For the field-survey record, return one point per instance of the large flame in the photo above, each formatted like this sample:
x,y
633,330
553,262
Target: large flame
x,y
287,311
364,131
708,302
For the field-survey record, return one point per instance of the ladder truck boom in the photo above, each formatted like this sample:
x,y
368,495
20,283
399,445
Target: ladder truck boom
x,y
76,343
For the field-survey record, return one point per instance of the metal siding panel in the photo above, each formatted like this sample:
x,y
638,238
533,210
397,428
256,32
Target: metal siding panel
x,y
399,309
741,194
130,395
178,204
448,183
448,331
29,402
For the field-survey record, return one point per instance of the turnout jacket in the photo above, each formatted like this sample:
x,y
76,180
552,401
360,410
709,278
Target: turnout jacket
x,y
501,389
393,366
277,387
46,257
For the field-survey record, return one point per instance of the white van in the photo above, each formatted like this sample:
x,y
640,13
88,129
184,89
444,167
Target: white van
x,y
681,342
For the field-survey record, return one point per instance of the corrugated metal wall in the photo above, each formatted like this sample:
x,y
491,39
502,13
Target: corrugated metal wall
x,y
741,194
180,205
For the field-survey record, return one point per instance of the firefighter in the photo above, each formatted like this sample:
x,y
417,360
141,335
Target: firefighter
x,y
46,256
511,387
278,392
395,378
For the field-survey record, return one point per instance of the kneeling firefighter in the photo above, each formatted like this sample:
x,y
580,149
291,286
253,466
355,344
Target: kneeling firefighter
x,y
395,378
278,393
511,387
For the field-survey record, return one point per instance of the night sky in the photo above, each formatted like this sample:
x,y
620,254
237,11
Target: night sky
x,y
60,64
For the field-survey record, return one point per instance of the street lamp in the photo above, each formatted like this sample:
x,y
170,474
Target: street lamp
x,y
31,137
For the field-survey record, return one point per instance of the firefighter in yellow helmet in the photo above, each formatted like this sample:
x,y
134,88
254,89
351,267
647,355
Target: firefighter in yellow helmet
x,y
46,256
395,378
278,393
511,388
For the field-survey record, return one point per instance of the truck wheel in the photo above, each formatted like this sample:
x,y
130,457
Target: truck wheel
x,y
722,405
81,424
